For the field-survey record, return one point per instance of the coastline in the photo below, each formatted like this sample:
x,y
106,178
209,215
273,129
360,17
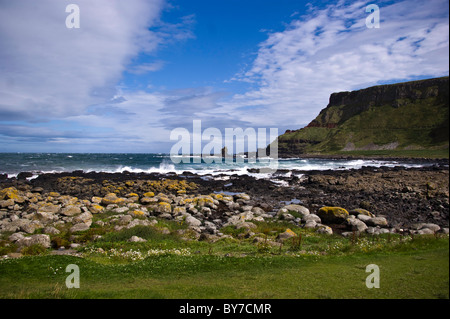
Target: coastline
x,y
404,196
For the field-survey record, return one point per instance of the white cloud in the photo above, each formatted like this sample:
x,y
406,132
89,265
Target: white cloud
x,y
331,50
50,71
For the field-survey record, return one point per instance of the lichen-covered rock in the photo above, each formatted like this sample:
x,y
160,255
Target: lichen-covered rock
x,y
70,210
360,211
49,208
286,234
332,215
112,198
163,207
96,209
11,193
148,200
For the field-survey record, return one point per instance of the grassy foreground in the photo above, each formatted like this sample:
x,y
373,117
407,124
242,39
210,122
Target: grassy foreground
x,y
165,267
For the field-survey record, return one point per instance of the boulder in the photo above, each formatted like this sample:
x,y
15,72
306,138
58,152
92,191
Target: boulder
x,y
11,193
163,207
6,203
40,239
377,221
50,230
286,234
49,208
85,218
363,217
310,224
333,215
192,221
45,217
31,227
295,210
70,210
323,229
96,209
148,200
312,217
16,237
242,196
136,239
356,225
112,198
79,227
425,231
361,211
430,226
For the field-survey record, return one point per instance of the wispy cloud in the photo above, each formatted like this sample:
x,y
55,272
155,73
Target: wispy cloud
x,y
331,50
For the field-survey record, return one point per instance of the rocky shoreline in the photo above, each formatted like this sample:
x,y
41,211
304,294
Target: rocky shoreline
x,y
346,202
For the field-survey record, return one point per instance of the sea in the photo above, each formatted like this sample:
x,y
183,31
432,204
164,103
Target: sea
x,y
38,163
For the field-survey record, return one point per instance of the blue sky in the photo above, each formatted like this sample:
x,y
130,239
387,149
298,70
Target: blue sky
x,y
135,70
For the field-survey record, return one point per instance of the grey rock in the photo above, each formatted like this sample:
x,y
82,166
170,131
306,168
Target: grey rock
x,y
70,210
310,224
425,231
79,227
51,230
363,217
40,239
312,217
136,239
356,224
431,226
323,229
377,221
15,237
85,218
298,209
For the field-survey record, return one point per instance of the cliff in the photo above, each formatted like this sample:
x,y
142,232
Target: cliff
x,y
403,116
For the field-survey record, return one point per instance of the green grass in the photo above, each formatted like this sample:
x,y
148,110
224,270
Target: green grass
x,y
317,266
423,274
